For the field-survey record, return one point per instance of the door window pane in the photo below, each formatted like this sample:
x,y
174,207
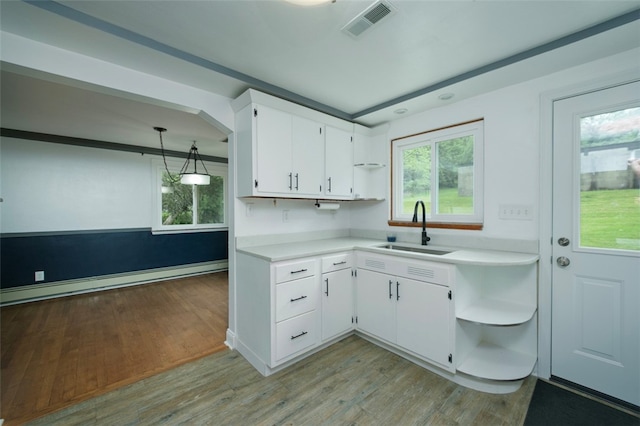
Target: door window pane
x,y
609,175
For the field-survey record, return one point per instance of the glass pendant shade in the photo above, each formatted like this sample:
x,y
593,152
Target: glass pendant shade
x,y
195,179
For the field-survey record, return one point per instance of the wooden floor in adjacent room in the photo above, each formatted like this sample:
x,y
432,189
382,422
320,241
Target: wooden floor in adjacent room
x,y
58,352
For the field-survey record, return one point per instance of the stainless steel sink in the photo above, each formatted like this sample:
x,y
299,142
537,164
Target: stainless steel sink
x,y
417,249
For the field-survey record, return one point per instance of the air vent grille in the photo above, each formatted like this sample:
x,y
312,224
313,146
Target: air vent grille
x,y
374,263
420,272
367,18
377,13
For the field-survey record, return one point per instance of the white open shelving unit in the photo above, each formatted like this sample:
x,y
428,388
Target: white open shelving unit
x,y
496,320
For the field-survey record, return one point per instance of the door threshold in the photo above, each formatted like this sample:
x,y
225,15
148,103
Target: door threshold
x,y
609,400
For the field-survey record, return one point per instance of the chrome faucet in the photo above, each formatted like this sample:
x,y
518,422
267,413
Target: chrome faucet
x,y
424,221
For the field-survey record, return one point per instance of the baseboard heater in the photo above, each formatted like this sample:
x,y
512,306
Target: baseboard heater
x,y
31,293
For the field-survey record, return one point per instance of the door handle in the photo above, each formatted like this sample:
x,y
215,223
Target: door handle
x,y
563,261
563,241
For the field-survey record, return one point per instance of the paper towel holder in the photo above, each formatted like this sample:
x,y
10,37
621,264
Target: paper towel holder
x,y
326,206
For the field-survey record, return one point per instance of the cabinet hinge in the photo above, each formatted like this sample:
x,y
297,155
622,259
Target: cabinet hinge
x,y
450,296
255,183
450,358
255,112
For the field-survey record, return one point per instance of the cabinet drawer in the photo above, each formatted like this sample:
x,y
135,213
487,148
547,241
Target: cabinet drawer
x,y
296,297
295,334
337,262
294,270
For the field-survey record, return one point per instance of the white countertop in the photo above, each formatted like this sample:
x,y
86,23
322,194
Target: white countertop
x,y
294,250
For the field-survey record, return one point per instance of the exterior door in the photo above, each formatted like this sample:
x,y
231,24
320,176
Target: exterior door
x,y
596,241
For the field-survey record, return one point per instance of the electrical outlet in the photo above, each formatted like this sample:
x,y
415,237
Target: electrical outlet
x,y
249,209
39,275
285,215
516,211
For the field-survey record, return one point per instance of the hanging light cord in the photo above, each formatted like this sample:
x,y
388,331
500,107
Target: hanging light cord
x,y
171,178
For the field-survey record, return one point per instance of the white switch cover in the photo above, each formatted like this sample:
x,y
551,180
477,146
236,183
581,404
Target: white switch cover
x,y
285,215
39,275
249,210
516,211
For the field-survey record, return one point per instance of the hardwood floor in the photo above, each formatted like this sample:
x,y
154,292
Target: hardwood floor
x,y
353,382
59,352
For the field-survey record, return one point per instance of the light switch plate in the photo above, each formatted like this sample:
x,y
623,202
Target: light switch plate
x,y
39,276
516,211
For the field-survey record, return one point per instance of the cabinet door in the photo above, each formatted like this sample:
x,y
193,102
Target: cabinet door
x,y
376,304
423,319
338,163
307,153
273,145
337,303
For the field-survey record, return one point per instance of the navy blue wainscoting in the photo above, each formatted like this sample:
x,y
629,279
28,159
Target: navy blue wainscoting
x,y
65,256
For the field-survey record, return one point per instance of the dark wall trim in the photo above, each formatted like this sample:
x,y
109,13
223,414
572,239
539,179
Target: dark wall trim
x,y
133,37
92,143
95,254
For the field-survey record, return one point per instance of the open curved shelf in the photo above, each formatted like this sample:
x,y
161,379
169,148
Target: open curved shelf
x,y
493,362
497,312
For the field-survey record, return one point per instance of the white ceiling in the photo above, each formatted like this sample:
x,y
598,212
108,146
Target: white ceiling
x,y
424,49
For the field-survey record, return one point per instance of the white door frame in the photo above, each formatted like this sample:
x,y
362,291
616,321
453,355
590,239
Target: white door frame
x,y
546,205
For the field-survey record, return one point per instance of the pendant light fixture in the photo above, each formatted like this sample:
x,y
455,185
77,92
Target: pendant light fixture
x,y
186,177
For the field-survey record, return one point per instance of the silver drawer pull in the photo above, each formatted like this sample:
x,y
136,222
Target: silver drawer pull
x,y
299,335
339,263
299,270
298,298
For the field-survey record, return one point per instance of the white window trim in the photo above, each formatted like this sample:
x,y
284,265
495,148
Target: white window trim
x,y
175,164
475,128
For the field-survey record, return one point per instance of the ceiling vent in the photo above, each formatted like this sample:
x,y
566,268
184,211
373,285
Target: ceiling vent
x,y
369,17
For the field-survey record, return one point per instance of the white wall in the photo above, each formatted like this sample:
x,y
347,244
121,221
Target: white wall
x,y
51,187
512,148
266,217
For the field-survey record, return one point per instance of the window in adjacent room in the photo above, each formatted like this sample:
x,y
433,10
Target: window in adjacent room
x,y
443,168
190,207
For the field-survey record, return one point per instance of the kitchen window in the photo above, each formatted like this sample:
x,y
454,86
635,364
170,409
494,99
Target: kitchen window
x,y
184,208
443,168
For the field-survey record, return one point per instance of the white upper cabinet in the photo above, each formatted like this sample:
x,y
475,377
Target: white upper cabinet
x,y
273,145
338,163
288,151
307,150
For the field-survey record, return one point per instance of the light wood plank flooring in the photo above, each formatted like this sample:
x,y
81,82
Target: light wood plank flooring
x,y
59,352
353,382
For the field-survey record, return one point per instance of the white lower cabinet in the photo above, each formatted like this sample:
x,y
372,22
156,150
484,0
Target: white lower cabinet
x,y
337,295
415,315
475,321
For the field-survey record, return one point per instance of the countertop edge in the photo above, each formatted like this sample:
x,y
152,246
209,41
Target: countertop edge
x,y
461,256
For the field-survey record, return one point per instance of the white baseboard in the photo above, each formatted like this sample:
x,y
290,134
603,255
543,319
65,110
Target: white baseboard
x,y
230,341
30,293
